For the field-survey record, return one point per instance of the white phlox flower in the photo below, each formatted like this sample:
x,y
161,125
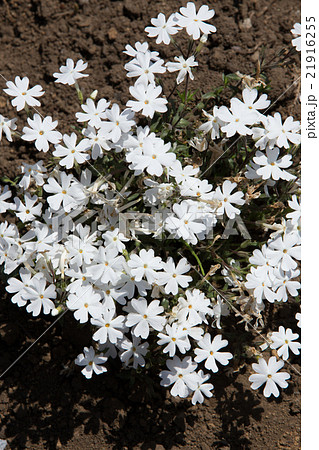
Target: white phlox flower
x,y
117,123
298,318
194,22
184,223
203,388
132,352
296,214
91,361
182,174
147,99
260,281
183,66
285,250
96,141
145,317
144,68
69,74
140,48
194,308
283,341
72,152
219,309
42,132
19,89
163,29
277,133
209,351
226,198
285,284
93,114
6,126
173,276
267,372
182,375
32,172
236,118
296,31
85,301
40,296
5,193
253,105
107,265
145,264
110,328
213,124
17,287
69,192
272,167
174,338
27,211
158,193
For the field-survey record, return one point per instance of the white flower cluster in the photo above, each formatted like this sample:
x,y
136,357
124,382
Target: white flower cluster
x,y
71,252
276,263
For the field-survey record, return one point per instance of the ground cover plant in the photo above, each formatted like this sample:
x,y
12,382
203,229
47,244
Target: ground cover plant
x,y
130,222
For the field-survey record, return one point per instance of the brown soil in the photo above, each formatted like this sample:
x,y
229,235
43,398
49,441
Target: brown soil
x,y
44,402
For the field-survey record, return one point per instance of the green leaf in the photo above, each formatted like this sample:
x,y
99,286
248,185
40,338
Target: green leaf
x,y
209,95
233,76
183,123
155,124
133,197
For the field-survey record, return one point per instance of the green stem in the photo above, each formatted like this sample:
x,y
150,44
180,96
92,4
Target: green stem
x,y
27,110
196,257
79,92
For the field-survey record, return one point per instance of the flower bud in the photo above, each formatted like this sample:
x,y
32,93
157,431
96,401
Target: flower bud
x,y
56,311
204,38
94,94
